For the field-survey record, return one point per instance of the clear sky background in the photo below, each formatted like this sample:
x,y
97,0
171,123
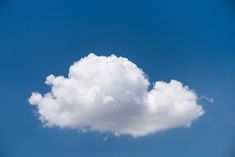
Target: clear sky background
x,y
190,41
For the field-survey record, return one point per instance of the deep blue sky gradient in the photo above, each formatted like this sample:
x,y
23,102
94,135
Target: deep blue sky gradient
x,y
190,41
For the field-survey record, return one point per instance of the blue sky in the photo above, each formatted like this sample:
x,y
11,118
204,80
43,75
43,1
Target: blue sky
x,y
190,41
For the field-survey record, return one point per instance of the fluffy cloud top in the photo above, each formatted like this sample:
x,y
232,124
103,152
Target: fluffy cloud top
x,y
112,94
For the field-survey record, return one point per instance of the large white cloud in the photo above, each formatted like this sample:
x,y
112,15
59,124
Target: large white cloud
x,y
112,94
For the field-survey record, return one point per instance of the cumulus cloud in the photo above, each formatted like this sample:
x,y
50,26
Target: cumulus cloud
x,y
110,93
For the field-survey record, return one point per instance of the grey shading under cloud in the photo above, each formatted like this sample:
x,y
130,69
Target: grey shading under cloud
x,y
112,94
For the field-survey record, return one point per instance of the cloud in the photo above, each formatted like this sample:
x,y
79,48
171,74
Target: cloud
x,y
210,100
110,93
